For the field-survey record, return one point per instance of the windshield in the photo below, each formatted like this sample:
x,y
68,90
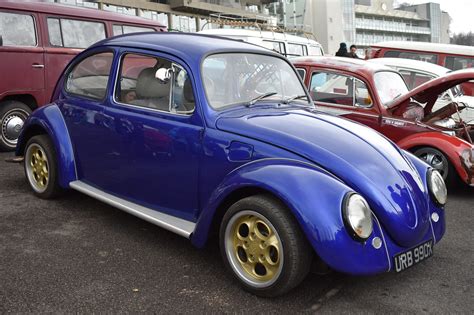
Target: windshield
x,y
389,85
236,78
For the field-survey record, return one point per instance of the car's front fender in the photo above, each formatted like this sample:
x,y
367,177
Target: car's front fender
x,y
315,198
49,119
453,147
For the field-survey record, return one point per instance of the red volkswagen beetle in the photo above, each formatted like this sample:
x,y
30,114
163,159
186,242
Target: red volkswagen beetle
x,y
377,96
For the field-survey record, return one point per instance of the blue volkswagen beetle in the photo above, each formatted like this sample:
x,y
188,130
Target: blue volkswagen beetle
x,y
198,134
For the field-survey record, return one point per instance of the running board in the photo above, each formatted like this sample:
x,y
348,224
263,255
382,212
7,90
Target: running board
x,y
166,221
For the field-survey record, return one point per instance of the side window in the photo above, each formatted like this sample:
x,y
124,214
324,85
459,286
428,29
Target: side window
x,y
301,73
278,47
126,29
17,29
296,50
414,79
339,89
90,76
457,63
156,83
74,33
427,57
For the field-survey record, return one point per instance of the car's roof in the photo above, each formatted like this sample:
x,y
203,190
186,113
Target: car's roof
x,y
422,66
429,47
260,34
183,45
341,63
73,11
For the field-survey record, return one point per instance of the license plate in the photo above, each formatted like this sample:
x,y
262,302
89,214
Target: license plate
x,y
413,256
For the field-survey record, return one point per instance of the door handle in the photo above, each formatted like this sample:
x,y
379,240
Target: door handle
x,y
35,65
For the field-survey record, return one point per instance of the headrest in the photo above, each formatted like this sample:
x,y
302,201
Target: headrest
x,y
149,87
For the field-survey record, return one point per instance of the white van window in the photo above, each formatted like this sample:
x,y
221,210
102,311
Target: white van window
x,y
275,46
297,50
74,33
315,51
127,29
17,29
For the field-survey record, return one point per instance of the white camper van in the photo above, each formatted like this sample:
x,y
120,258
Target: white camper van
x,y
285,44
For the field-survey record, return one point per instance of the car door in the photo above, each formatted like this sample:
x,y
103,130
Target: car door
x,y
82,105
22,57
344,95
155,135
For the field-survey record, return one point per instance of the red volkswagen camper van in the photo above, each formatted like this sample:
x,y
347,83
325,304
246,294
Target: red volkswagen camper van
x,y
37,40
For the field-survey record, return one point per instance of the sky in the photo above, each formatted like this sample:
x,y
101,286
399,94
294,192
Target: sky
x,y
461,12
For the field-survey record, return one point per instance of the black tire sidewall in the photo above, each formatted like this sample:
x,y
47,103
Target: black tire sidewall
x,y
53,189
6,107
451,176
283,222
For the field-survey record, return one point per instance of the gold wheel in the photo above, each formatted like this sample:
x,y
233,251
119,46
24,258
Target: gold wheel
x,y
254,248
37,167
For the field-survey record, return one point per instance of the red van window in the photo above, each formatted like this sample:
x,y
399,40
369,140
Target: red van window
x,y
457,63
74,33
17,29
412,55
126,29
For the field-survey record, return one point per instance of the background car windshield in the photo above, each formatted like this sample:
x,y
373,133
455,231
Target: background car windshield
x,y
239,78
389,85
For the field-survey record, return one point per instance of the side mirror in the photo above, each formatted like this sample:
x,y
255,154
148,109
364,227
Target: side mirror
x,y
163,75
364,102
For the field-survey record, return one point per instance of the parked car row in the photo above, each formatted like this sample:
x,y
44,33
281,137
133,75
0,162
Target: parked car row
x,y
203,135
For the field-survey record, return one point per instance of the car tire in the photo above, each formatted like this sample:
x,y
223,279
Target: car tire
x,y
439,161
13,115
41,167
262,226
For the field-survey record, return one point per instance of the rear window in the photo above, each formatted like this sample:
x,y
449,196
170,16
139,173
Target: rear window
x,y
427,57
457,63
74,33
17,29
126,29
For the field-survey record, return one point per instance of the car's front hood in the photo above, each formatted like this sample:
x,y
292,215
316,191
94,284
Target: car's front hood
x,y
365,160
427,93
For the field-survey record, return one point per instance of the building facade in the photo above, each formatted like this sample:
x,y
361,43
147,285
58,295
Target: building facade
x,y
359,22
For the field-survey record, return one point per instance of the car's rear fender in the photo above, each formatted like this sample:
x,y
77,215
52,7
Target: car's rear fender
x,y
49,120
452,147
314,197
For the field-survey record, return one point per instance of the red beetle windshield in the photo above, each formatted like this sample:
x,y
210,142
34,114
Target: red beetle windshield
x,y
390,85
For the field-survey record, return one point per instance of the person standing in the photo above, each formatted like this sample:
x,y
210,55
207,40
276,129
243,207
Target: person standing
x,y
353,52
342,52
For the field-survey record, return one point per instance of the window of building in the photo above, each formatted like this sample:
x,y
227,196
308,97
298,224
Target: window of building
x,y
90,76
138,85
74,33
17,29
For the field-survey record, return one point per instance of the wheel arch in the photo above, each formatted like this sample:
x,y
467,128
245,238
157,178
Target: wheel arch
x,y
451,147
49,120
312,195
26,99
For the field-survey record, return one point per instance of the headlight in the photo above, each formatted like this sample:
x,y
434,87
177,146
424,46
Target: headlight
x,y
437,187
357,216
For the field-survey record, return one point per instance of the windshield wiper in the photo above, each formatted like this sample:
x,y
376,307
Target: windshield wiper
x,y
296,97
258,98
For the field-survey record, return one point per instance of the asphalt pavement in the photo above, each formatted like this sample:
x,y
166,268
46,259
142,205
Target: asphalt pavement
x,y
76,254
